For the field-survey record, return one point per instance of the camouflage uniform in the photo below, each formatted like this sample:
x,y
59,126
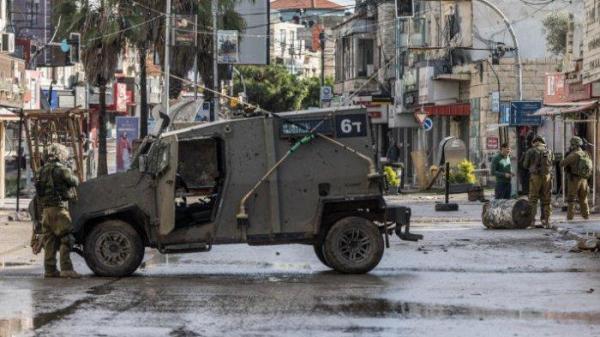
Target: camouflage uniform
x,y
577,187
55,184
540,181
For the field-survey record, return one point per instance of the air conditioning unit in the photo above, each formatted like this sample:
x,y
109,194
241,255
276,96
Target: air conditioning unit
x,y
8,43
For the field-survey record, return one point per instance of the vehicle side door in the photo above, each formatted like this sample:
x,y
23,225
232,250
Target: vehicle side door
x,y
163,161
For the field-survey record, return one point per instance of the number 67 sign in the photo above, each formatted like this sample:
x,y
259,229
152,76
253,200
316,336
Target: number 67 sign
x,y
351,125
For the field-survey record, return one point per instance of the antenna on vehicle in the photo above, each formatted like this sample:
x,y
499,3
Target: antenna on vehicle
x,y
166,120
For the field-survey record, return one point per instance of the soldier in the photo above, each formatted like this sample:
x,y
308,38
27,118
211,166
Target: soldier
x,y
538,160
55,185
578,167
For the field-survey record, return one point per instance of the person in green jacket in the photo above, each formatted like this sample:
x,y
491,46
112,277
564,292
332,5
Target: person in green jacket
x,y
502,170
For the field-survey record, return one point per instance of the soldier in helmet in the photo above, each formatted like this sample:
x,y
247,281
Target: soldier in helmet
x,y
578,167
55,185
539,160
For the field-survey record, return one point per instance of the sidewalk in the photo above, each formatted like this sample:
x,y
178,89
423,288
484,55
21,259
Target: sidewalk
x,y
423,211
15,251
10,204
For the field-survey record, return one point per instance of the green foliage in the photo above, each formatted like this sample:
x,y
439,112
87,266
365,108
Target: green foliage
x,y
102,33
313,85
391,177
463,173
556,26
275,89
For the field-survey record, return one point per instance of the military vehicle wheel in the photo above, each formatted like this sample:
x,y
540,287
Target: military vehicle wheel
x,y
353,245
318,246
113,248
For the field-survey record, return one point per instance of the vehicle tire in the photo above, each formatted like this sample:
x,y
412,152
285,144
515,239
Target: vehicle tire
x,y
318,246
353,245
449,207
113,248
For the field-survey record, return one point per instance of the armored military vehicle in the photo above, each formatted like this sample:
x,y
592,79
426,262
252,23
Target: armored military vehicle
x,y
307,177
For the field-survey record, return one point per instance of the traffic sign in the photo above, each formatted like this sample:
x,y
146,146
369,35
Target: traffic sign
x,y
420,117
326,94
521,113
427,124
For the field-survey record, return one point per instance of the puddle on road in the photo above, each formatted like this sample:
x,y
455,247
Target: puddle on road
x,y
369,307
44,318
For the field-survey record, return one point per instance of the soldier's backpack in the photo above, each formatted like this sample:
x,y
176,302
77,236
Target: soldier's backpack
x,y
584,166
48,186
543,161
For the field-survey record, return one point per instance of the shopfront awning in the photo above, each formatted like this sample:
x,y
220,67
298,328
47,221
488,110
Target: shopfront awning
x,y
457,109
7,115
566,108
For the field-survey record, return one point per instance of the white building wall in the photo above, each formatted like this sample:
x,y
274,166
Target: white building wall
x,y
526,20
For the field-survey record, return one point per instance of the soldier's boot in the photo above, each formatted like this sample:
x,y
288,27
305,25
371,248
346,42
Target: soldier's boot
x,y
66,243
570,211
546,224
50,247
69,274
585,208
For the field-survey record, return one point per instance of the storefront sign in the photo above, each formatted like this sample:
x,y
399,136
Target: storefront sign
x,y
128,129
495,101
228,46
554,88
591,43
121,97
578,91
31,100
504,113
491,143
521,113
596,89
12,75
81,97
184,28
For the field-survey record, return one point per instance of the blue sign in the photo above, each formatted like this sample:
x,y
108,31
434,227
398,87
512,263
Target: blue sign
x,y
53,100
299,127
128,130
504,112
428,124
521,113
64,46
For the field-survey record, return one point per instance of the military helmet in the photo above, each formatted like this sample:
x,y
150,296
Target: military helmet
x,y
538,138
576,141
56,151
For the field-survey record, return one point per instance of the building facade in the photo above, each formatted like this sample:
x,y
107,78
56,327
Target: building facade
x,y
296,35
453,62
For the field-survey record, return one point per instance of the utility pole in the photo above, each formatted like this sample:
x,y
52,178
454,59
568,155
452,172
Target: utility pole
x,y
195,57
215,10
167,57
322,41
516,43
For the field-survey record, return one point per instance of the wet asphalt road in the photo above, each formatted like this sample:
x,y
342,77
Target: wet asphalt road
x,y
461,280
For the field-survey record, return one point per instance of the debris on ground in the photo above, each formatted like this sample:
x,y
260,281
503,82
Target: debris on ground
x,y
588,243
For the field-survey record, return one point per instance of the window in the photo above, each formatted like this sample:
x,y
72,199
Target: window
x,y
348,59
282,37
200,176
292,43
364,57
